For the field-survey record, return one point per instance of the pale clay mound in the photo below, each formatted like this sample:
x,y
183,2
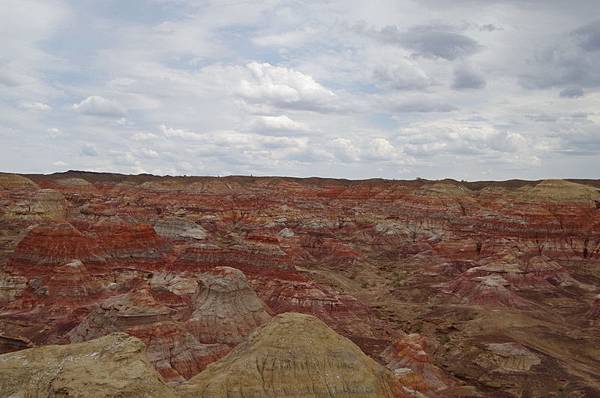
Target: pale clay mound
x,y
14,181
226,309
111,366
294,355
75,182
559,190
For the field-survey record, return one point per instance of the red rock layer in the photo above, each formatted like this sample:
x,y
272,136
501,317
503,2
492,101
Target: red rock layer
x,y
54,244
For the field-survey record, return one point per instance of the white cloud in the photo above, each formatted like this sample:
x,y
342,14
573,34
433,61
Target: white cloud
x,y
402,75
381,149
35,106
99,106
285,88
149,153
141,136
170,132
344,149
277,125
333,100
463,138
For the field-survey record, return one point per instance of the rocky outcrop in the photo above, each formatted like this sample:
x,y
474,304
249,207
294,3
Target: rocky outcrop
x,y
11,286
119,313
489,290
111,366
179,228
288,291
15,182
174,352
49,204
408,359
226,308
500,279
560,191
507,358
54,244
294,355
127,243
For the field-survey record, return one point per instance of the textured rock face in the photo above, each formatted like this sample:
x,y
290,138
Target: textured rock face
x,y
54,244
507,358
49,204
294,355
174,352
407,357
292,292
11,287
15,182
178,228
226,308
119,313
500,279
129,244
112,366
560,190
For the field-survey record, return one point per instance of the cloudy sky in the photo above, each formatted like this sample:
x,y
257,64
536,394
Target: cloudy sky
x,y
466,89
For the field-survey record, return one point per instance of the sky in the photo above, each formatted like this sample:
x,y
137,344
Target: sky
x,y
464,89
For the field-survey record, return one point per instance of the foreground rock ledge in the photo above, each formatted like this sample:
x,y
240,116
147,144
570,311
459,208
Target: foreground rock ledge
x,y
111,366
294,355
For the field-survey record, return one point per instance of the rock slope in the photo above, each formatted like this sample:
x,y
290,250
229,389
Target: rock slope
x,y
111,366
294,355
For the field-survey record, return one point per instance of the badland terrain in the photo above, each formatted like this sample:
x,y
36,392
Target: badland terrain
x,y
144,286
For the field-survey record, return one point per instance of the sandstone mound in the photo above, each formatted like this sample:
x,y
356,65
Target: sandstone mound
x,y
226,309
119,313
54,244
499,279
11,286
507,358
49,204
292,292
488,290
37,205
560,191
75,182
111,366
14,181
179,228
407,357
129,244
444,189
174,352
72,281
294,355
